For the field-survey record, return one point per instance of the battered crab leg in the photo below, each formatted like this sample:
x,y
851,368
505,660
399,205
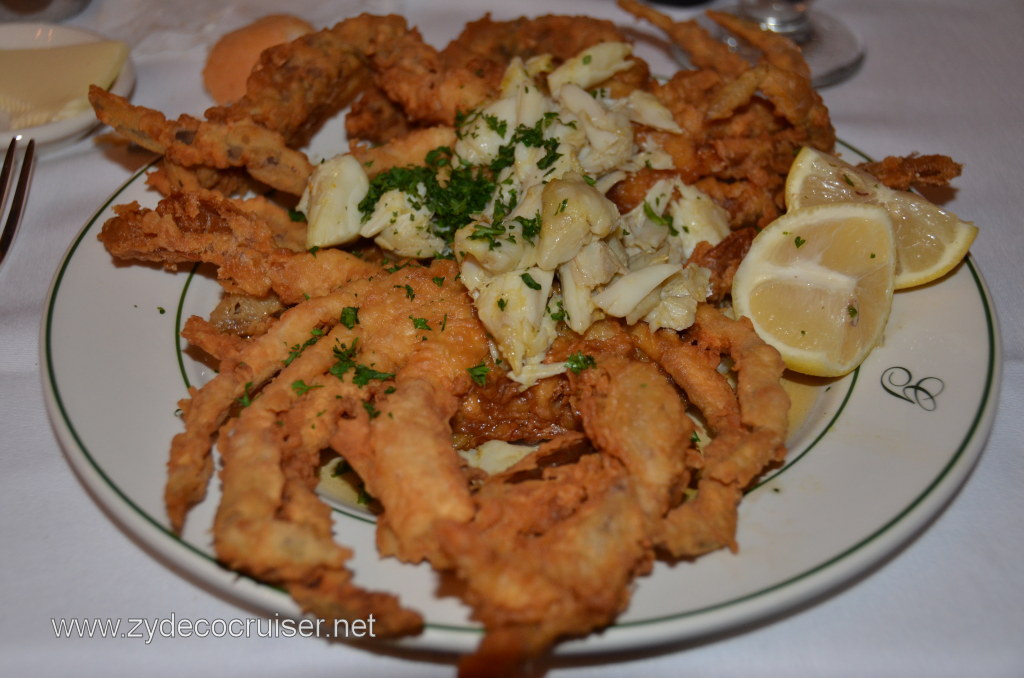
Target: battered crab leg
x,y
298,85
205,226
633,413
704,51
270,523
191,465
191,142
519,557
694,369
312,380
739,450
775,48
742,123
421,326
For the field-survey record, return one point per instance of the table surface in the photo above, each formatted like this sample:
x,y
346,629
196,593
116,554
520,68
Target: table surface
x,y
940,76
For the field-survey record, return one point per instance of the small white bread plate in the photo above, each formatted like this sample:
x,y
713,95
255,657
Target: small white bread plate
x,y
36,35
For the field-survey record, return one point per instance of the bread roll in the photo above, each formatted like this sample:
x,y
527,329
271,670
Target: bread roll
x,y
233,57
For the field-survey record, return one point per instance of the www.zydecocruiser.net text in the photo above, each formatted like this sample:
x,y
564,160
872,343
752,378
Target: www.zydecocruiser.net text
x,y
149,629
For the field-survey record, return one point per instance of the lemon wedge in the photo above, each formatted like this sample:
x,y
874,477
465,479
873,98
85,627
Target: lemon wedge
x,y
817,284
929,241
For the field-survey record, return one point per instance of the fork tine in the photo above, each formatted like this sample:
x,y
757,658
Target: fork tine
x,y
5,174
20,193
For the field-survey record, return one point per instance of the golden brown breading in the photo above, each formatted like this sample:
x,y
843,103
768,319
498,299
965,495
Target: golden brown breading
x,y
903,173
502,410
206,226
190,142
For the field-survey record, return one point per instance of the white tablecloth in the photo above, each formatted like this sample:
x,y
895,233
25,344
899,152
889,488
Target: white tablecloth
x,y
940,76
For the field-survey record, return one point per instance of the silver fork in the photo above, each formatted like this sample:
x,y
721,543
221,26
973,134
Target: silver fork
x,y
20,191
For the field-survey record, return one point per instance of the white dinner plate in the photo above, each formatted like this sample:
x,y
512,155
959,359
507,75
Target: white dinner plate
x,y
40,36
880,454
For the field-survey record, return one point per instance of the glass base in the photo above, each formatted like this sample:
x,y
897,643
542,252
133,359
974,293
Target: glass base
x,y
832,51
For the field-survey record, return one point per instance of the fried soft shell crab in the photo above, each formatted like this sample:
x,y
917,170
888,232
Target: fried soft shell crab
x,y
576,307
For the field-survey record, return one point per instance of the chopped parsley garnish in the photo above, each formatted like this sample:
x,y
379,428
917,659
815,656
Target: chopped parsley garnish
x,y
350,316
798,241
409,293
530,282
660,219
579,361
246,399
420,323
438,280
852,311
490,232
467,190
364,498
496,124
478,373
531,137
296,216
370,409
504,205
345,361
560,314
396,267
296,350
344,357
457,193
364,375
531,227
301,387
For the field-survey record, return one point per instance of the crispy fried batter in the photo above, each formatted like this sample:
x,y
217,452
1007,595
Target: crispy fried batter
x,y
205,226
375,119
742,124
625,478
633,413
722,260
205,411
205,335
411,149
775,48
190,142
502,410
903,173
739,451
269,523
705,52
329,352
298,85
520,557
412,447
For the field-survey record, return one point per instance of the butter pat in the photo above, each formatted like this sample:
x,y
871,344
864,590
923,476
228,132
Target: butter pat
x,y
43,85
